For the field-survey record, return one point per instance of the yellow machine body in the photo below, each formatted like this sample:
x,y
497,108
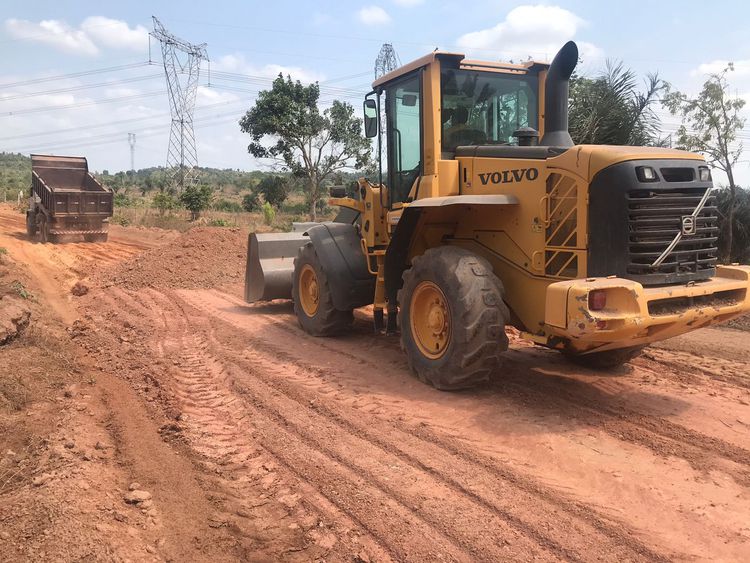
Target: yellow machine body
x,y
530,218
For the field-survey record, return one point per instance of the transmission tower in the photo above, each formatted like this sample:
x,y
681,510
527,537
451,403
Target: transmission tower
x,y
131,142
182,63
387,60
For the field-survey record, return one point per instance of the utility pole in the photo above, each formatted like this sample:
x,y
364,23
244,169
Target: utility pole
x,y
131,142
181,59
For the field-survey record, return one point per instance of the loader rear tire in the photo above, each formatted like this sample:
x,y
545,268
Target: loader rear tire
x,y
607,359
313,303
453,318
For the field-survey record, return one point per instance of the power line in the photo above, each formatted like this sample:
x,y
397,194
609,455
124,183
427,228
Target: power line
x,y
74,75
82,104
79,87
111,123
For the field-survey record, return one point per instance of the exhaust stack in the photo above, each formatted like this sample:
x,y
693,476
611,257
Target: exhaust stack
x,y
556,132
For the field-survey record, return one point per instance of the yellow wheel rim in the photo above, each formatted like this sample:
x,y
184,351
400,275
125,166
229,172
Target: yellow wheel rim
x,y
309,292
430,320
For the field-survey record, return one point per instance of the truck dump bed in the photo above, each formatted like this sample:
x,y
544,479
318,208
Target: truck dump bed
x,y
65,187
66,199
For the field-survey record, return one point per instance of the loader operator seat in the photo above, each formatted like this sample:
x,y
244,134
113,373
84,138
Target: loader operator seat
x,y
459,132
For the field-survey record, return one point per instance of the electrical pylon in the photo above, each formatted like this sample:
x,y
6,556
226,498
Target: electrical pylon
x,y
181,59
387,60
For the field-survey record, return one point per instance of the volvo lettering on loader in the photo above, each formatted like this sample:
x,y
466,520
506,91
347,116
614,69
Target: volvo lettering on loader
x,y
488,215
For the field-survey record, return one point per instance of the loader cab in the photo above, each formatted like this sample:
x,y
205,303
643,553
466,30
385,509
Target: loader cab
x,y
440,102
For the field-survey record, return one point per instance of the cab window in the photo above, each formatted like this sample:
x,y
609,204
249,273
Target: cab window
x,y
403,100
485,108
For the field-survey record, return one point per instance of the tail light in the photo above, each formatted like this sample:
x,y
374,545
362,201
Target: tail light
x,y
597,300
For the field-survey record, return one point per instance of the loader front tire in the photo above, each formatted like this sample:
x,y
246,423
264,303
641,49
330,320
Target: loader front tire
x,y
453,318
313,303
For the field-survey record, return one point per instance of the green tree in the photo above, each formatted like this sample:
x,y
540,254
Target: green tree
x,y
164,201
196,198
274,190
251,202
710,122
609,109
740,225
286,125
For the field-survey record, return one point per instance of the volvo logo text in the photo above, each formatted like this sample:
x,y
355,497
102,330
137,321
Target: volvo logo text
x,y
508,176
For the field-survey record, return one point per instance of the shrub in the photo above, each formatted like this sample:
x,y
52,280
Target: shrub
x,y
120,220
228,206
196,199
221,223
122,200
269,213
251,202
274,190
164,201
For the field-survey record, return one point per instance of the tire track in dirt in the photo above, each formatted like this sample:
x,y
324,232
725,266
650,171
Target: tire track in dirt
x,y
699,368
519,501
567,396
222,431
202,385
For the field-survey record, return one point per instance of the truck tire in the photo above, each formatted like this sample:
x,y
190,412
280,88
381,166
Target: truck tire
x,y
43,228
311,292
453,318
607,359
31,224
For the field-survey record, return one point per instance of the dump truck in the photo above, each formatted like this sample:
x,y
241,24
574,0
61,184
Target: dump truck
x,y
66,200
490,216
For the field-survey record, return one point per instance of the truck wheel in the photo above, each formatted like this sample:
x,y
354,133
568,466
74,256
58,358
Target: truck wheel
x,y
31,224
607,359
453,318
43,229
313,303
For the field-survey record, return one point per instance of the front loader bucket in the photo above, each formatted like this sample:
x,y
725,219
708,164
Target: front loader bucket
x,y
270,265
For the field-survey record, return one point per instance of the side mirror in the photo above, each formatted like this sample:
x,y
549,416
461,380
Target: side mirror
x,y
409,100
371,118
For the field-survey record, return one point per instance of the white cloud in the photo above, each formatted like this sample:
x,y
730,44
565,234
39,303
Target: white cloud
x,y
373,15
237,63
741,68
52,32
115,34
94,33
530,31
408,3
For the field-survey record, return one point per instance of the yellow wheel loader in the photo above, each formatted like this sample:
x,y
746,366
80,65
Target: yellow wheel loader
x,y
486,214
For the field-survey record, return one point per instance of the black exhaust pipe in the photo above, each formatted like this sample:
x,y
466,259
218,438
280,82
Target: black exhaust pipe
x,y
556,132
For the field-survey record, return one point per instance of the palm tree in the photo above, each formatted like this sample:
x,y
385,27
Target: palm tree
x,y
610,110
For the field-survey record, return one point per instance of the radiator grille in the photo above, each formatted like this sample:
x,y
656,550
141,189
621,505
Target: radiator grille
x,y
654,219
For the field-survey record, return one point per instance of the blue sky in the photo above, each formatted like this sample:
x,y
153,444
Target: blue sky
x,y
333,42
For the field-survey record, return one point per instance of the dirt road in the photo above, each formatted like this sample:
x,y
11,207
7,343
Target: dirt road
x,y
259,442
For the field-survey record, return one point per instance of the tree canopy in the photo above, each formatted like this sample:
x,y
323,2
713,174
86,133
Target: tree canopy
x,y
609,109
710,123
287,126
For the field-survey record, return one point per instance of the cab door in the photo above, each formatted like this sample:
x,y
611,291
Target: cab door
x,y
404,136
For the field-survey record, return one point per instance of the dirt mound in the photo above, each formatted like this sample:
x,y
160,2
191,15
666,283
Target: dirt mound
x,y
203,257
